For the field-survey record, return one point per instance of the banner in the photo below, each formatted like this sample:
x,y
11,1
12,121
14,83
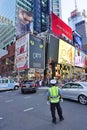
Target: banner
x,y
22,53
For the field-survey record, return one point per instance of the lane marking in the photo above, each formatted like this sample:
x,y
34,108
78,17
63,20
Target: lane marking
x,y
1,118
28,109
9,101
13,94
27,97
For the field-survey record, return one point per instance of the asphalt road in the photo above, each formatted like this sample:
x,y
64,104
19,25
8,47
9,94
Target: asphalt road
x,y
31,112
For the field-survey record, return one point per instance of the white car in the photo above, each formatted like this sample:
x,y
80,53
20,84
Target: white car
x,y
75,91
7,84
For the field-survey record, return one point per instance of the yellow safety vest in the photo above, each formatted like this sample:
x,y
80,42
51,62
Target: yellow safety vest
x,y
54,97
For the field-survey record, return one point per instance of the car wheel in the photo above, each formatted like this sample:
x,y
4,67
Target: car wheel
x,y
16,87
35,91
82,99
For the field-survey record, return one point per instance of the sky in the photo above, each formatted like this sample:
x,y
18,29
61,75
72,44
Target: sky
x,y
69,5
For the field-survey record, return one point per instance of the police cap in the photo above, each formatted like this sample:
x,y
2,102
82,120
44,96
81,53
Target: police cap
x,y
53,81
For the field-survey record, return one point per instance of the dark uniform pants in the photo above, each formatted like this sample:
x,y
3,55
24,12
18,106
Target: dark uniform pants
x,y
53,107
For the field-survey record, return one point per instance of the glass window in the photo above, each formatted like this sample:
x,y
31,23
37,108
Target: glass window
x,y
76,86
11,81
67,86
6,81
3,81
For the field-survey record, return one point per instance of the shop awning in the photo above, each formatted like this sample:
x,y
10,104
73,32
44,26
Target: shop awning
x,y
3,52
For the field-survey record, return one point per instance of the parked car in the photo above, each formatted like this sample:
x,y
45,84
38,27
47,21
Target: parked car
x,y
75,91
7,84
28,86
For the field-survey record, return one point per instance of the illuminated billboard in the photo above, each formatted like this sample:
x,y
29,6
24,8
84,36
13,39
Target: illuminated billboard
x,y
21,53
77,40
79,58
60,28
66,53
24,22
36,53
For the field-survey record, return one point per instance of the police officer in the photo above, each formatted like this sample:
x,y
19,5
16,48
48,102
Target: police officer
x,y
54,97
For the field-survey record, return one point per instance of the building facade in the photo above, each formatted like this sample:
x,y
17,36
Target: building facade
x,y
78,22
55,7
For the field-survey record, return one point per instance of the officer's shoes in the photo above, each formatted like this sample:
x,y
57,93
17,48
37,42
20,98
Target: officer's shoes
x,y
54,121
62,118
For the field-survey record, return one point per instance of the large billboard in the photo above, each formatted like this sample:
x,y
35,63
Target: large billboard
x,y
37,53
22,53
66,53
60,28
24,22
79,58
53,48
77,40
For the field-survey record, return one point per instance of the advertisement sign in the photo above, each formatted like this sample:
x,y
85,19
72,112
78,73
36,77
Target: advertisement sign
x,y
60,28
24,22
37,53
53,48
77,40
66,53
79,58
21,53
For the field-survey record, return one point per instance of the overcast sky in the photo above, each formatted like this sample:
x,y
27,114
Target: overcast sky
x,y
69,5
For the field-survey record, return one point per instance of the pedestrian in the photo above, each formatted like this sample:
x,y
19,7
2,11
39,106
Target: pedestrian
x,y
54,97
40,83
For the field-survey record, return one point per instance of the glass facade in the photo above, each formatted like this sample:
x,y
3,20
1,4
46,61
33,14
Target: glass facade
x,y
39,9
55,7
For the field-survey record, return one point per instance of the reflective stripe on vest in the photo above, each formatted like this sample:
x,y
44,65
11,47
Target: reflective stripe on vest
x,y
54,97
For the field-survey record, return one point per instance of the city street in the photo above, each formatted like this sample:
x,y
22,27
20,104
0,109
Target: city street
x,y
31,112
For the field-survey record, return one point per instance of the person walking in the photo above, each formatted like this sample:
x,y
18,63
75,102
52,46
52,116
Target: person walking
x,y
54,97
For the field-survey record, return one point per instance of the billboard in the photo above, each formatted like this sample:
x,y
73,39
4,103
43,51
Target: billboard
x,y
24,22
66,53
21,53
53,48
60,28
37,53
77,40
79,58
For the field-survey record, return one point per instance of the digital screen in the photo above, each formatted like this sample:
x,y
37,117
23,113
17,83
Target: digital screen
x,y
36,53
77,40
66,53
79,58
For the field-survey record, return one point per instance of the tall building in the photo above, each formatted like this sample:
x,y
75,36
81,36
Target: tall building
x,y
7,31
29,15
9,12
78,22
76,17
40,15
55,7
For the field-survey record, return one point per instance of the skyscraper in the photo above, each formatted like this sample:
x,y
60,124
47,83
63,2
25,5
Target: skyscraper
x,y
78,22
55,7
34,14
